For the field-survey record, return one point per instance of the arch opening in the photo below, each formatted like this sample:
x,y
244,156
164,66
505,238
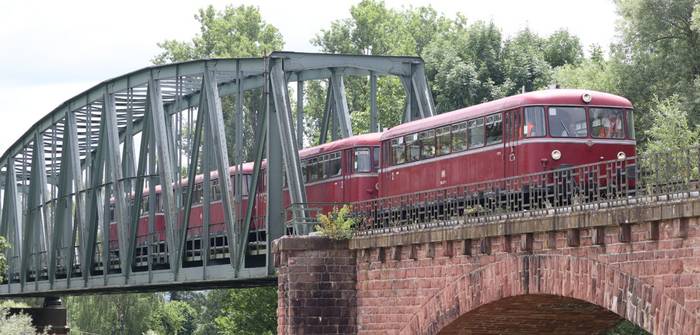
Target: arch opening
x,y
534,314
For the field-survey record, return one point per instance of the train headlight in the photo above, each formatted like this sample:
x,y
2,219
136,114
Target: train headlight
x,y
621,156
556,155
586,97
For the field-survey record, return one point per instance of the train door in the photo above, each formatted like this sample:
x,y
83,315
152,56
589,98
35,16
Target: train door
x,y
511,135
348,170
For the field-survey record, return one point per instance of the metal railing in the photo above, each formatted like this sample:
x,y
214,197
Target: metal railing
x,y
302,219
634,180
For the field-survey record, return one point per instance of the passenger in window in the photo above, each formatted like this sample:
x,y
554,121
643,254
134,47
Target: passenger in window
x,y
534,122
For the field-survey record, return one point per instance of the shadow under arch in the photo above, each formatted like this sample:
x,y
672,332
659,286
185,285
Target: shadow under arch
x,y
580,278
534,314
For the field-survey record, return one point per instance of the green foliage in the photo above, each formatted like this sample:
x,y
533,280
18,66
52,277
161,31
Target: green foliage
x,y
15,324
173,317
670,130
337,224
626,328
4,245
593,74
658,54
234,32
249,311
112,314
562,48
465,64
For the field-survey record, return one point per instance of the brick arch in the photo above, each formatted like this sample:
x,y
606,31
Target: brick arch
x,y
579,278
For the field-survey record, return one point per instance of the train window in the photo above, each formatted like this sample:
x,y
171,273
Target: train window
x,y
246,184
215,190
362,161
304,171
567,122
197,194
334,165
494,129
183,195
398,150
443,141
375,159
427,140
534,122
111,213
630,124
321,161
607,122
459,137
476,133
144,204
313,169
412,147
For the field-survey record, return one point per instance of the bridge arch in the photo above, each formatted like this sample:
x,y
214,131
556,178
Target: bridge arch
x,y
579,278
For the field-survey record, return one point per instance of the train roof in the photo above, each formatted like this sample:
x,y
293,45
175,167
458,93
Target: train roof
x,y
345,143
544,97
247,169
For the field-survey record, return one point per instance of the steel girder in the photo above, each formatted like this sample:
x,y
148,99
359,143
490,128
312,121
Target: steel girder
x,y
74,204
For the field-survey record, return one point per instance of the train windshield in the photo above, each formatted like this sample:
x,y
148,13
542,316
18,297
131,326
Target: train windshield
x,y
362,161
630,124
607,122
534,122
567,122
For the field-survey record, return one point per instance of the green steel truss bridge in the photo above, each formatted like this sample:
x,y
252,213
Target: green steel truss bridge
x,y
91,160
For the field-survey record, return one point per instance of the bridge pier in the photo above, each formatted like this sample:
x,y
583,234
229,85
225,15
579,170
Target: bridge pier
x,y
572,273
51,317
316,286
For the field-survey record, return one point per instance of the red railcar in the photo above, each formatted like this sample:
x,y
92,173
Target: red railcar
x,y
156,236
514,136
523,134
334,173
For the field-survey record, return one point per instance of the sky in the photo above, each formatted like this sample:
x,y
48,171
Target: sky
x,y
51,51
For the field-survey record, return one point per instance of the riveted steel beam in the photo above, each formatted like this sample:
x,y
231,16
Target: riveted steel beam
x,y
423,97
215,127
290,153
73,172
300,114
327,112
340,104
119,192
373,122
162,138
11,222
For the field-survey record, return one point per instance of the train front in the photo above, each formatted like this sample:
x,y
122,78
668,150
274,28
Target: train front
x,y
565,128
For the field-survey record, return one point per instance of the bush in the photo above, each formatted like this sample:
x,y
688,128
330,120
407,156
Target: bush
x,y
15,324
336,225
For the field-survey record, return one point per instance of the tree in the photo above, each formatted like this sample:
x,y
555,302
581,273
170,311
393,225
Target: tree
x,y
234,32
3,257
524,61
15,324
592,74
249,311
112,314
562,48
173,317
659,54
465,64
670,130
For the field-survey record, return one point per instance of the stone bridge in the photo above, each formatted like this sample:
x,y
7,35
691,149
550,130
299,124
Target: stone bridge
x,y
575,273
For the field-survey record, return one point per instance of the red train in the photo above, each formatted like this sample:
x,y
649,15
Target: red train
x,y
517,135
513,136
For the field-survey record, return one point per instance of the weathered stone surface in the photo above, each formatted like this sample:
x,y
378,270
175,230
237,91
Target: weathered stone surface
x,y
641,264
